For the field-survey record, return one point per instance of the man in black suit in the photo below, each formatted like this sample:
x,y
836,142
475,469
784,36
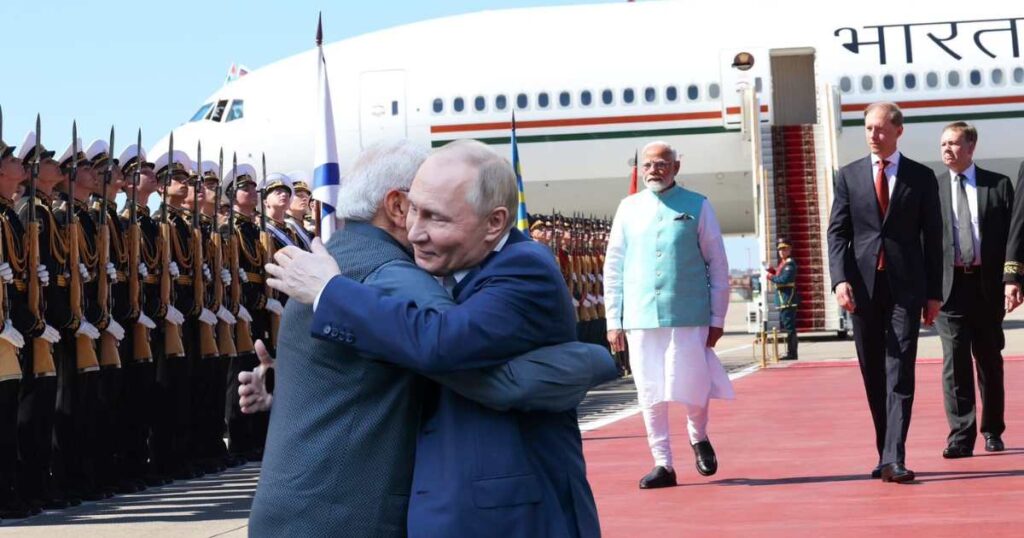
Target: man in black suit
x,y
884,274
977,206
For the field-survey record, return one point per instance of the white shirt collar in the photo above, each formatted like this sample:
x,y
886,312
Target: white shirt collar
x,y
971,172
893,160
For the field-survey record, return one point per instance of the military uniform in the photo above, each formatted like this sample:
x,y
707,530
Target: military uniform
x,y
786,300
298,226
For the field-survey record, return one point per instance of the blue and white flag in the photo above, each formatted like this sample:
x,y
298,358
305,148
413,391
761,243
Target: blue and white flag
x,y
326,173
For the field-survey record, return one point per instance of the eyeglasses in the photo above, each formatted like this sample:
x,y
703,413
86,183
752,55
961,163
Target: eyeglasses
x,y
656,165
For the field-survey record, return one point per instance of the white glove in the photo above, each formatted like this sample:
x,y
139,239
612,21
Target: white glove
x,y
143,270
206,272
225,316
225,277
207,317
111,272
275,307
84,271
243,314
88,330
50,334
146,321
241,275
116,330
44,275
6,273
12,335
172,268
174,316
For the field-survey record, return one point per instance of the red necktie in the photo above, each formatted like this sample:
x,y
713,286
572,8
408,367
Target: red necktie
x,y
882,193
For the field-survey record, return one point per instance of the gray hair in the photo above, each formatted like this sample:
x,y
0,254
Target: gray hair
x,y
496,184
659,144
380,168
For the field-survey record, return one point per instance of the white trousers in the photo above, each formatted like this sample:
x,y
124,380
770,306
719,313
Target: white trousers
x,y
656,422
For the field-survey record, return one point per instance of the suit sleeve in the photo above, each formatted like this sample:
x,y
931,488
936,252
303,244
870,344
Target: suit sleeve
x,y
499,321
1015,243
840,231
931,232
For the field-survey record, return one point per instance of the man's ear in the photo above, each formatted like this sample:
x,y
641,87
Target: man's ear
x,y
497,223
396,206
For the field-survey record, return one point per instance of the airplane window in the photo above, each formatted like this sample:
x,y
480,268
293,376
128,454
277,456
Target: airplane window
x,y
438,106
218,111
607,97
564,99
758,84
1018,75
846,85
522,101
692,92
714,91
500,102
201,113
867,83
975,77
671,94
542,100
932,79
585,98
458,104
997,77
909,81
394,108
628,96
953,79
479,103
236,110
888,82
649,94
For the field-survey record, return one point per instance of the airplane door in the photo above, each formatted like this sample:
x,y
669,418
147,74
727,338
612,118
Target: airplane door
x,y
381,106
742,68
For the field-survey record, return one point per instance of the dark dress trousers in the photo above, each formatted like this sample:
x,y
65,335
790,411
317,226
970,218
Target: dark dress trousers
x,y
889,303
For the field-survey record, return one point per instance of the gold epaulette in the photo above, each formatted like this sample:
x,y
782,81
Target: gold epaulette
x,y
1013,268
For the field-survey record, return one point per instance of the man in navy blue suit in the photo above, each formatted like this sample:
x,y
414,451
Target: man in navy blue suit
x,y
478,472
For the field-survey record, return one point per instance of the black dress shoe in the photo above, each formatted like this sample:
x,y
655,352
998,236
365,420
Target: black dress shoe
x,y
15,510
877,471
787,358
704,454
955,451
897,472
52,504
659,477
994,444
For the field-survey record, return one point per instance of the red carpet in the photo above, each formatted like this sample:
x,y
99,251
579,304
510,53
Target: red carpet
x,y
795,449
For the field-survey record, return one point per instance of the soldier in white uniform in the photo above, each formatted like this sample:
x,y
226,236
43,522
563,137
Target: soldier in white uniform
x,y
666,282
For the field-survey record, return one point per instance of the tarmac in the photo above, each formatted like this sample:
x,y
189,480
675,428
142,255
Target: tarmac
x,y
786,470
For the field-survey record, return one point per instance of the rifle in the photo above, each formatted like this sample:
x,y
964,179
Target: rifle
x,y
10,368
243,331
268,249
225,338
42,351
109,357
173,346
207,340
85,351
141,350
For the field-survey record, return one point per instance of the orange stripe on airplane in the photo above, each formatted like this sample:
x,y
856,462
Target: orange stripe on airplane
x,y
609,120
977,101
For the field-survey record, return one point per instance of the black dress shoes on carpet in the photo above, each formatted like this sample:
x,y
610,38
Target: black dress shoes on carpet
x,y
896,472
994,443
876,473
659,477
704,454
955,451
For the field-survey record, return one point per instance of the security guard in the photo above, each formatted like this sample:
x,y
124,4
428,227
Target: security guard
x,y
786,297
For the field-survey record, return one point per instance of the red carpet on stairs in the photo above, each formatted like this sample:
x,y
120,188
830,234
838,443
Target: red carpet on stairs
x,y
795,450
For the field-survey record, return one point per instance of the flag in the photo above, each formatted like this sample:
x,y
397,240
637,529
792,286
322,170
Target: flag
x,y
523,220
326,173
236,72
632,178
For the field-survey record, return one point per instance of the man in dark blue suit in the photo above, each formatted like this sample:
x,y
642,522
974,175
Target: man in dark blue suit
x,y
478,472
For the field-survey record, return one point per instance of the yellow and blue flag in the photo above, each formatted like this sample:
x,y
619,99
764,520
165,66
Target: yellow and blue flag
x,y
523,220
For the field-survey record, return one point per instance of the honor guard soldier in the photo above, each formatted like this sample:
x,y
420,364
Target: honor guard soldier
x,y
299,210
76,424
143,339
246,433
171,431
38,395
275,234
112,300
786,297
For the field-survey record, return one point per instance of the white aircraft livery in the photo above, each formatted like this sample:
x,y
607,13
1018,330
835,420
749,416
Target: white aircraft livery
x,y
591,84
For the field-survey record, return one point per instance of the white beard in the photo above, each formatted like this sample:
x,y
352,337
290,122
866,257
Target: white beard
x,y
657,186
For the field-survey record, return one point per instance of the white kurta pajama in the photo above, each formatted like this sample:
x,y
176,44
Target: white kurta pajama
x,y
666,281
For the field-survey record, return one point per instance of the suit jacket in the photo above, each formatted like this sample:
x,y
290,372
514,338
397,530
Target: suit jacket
x,y
1013,269
479,472
910,233
995,208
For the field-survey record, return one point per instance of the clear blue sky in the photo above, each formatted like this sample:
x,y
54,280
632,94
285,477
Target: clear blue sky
x,y
150,64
